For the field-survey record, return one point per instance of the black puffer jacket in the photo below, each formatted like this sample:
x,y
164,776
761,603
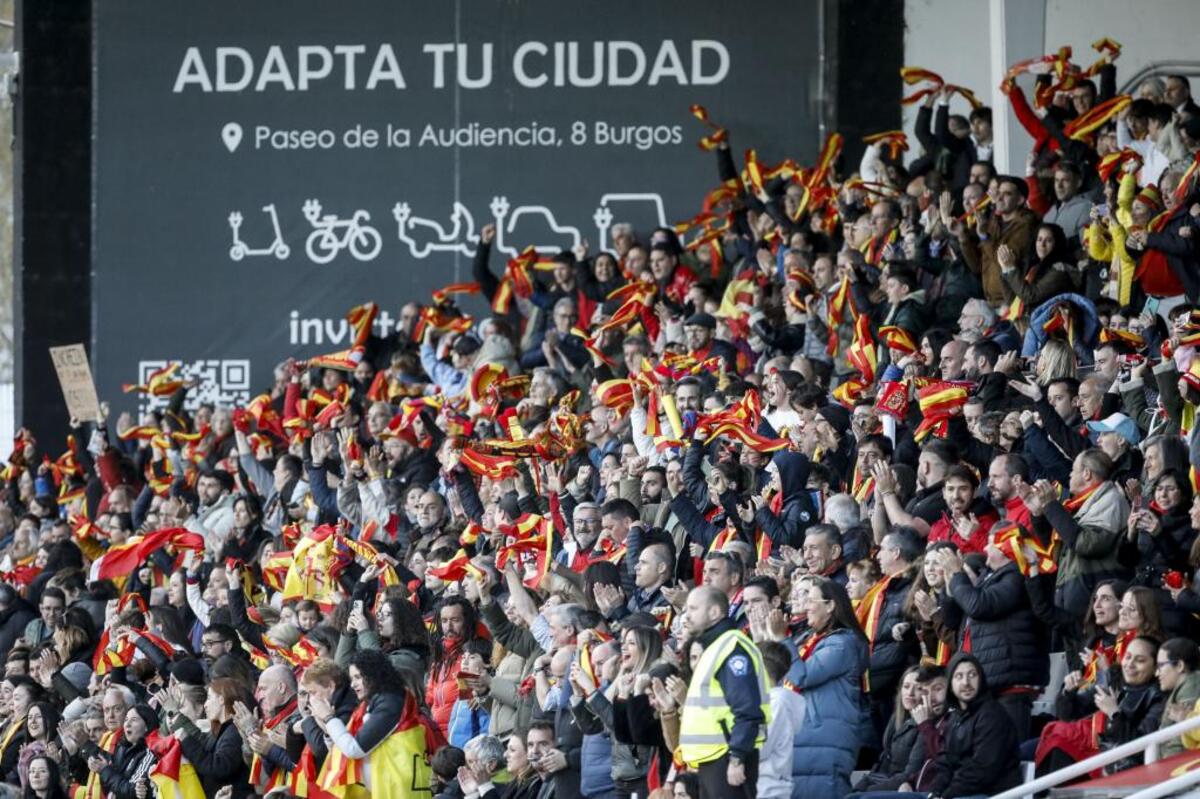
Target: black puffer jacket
x,y
890,657
979,753
1140,711
1005,635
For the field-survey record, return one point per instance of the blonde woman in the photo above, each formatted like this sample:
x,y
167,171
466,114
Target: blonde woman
x,y
1055,361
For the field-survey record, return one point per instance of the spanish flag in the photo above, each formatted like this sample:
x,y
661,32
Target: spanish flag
x,y
453,570
398,768
899,339
344,360
616,394
361,317
936,401
1112,335
123,559
172,776
159,383
1083,126
1024,550
494,467
895,141
739,432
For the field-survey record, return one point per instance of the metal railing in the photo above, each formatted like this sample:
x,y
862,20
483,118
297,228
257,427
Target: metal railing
x,y
1189,779
1159,69
1147,743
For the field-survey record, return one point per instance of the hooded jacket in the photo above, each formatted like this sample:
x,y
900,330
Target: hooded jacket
x,y
787,527
979,752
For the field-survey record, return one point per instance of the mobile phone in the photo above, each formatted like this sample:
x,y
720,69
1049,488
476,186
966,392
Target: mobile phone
x,y
358,605
90,749
1101,678
1102,209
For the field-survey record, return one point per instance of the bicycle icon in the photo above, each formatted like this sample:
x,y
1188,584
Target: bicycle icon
x,y
331,235
278,247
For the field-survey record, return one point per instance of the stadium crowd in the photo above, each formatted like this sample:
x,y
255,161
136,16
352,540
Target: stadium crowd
x,y
806,489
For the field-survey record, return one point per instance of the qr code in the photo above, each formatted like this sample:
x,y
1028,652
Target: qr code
x,y
223,384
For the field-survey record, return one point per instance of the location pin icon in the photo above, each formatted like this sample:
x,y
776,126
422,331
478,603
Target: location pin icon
x,y
231,134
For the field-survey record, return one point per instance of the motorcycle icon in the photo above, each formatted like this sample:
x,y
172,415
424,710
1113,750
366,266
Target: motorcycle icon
x,y
240,249
325,242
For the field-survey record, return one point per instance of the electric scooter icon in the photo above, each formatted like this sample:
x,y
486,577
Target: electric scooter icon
x,y
240,249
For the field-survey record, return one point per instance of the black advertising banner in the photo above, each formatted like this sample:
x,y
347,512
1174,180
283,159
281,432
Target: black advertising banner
x,y
262,167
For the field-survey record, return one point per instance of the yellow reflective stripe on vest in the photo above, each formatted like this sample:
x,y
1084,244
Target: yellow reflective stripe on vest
x,y
706,714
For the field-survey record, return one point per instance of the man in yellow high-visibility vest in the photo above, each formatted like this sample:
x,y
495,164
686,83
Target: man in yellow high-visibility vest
x,y
727,708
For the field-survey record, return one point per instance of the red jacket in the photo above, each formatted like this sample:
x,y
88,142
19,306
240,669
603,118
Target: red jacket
x,y
679,284
1016,512
441,690
943,530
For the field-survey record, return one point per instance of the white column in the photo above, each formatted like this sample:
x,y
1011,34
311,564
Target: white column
x,y
1017,30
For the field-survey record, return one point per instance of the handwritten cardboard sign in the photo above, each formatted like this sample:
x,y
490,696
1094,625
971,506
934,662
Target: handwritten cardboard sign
x,y
75,377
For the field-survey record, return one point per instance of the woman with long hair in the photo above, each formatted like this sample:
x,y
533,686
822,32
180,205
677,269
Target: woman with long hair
x,y
931,350
1133,710
1047,274
217,754
24,692
247,534
1178,673
1163,529
606,708
524,782
937,640
1100,629
399,632
1164,536
1055,361
45,780
168,623
828,671
373,736
41,726
898,739
132,760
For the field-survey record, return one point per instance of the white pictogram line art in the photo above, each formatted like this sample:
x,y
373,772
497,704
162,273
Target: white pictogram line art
x,y
458,239
604,215
324,243
500,209
240,249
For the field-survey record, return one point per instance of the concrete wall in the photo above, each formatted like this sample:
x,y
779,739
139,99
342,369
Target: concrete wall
x,y
952,37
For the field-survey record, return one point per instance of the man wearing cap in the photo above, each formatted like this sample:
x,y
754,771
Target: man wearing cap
x,y
1118,436
1168,259
700,329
